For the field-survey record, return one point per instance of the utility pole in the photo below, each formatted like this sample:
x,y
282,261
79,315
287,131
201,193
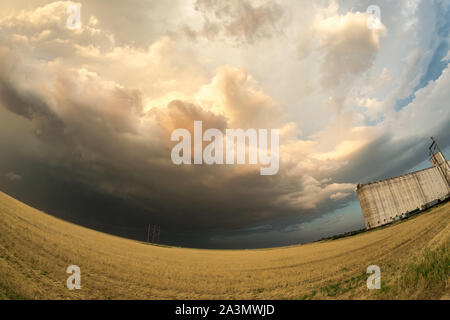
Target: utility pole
x,y
159,231
154,233
148,233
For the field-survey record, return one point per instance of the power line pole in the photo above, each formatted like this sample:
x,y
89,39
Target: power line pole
x,y
154,232
159,231
148,233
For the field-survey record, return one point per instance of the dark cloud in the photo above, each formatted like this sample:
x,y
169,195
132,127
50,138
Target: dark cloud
x,y
32,107
369,163
102,148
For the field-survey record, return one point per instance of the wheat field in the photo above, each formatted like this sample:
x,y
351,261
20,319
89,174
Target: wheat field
x,y
36,249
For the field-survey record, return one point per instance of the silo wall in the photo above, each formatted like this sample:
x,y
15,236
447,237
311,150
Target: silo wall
x,y
383,201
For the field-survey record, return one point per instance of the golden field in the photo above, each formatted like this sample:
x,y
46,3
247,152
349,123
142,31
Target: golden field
x,y
36,249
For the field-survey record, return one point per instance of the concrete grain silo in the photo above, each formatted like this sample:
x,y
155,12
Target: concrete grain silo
x,y
387,200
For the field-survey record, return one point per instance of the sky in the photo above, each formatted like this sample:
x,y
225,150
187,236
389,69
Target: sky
x,y
86,115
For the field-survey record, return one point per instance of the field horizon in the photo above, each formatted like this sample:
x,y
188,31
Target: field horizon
x,y
36,249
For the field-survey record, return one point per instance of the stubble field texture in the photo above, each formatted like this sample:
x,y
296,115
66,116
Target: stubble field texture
x,y
36,249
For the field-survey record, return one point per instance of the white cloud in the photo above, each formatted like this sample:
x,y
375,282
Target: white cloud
x,y
349,47
447,58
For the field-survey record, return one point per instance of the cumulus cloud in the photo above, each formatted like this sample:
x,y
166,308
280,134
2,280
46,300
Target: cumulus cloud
x,y
239,21
348,45
122,147
236,94
101,130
